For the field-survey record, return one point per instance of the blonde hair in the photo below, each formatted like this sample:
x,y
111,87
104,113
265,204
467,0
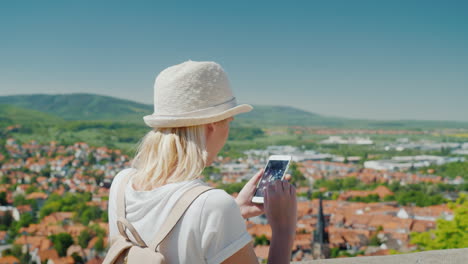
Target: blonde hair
x,y
168,155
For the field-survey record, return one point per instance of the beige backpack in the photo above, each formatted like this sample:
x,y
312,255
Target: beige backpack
x,y
124,250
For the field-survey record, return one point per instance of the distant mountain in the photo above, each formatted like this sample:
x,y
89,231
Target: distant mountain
x,y
11,114
83,106
290,116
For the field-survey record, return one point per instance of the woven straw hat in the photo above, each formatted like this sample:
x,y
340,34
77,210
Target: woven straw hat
x,y
193,93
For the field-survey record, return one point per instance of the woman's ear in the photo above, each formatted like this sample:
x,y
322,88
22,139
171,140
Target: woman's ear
x,y
209,129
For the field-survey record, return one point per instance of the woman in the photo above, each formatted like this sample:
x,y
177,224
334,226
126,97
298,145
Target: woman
x,y
193,106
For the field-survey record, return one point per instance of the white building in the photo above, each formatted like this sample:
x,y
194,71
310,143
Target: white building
x,y
406,162
349,141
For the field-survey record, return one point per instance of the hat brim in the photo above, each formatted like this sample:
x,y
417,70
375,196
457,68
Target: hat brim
x,y
180,121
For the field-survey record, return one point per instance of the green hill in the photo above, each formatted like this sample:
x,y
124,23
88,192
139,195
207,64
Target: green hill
x,y
289,116
83,106
286,116
11,114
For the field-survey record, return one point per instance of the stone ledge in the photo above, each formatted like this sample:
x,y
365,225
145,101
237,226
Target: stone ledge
x,y
446,256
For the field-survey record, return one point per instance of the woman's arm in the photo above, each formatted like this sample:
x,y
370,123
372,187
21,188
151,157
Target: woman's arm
x,y
244,198
244,255
281,210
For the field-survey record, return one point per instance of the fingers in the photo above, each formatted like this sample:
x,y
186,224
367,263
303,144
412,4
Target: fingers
x,y
292,190
283,187
254,180
287,177
260,207
280,188
271,189
286,186
278,185
257,176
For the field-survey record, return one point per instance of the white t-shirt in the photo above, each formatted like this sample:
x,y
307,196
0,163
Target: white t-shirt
x,y
211,230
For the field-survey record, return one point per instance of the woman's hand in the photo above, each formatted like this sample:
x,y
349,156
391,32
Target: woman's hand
x,y
244,198
281,212
281,207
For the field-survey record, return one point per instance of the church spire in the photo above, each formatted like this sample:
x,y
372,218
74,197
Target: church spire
x,y
320,235
320,247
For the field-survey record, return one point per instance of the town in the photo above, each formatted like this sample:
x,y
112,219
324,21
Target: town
x,y
54,201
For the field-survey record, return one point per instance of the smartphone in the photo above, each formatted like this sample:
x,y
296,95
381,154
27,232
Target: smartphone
x,y
275,170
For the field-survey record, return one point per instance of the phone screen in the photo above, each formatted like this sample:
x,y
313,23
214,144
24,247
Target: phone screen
x,y
274,170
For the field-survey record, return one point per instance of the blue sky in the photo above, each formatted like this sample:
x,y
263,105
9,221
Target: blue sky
x,y
359,59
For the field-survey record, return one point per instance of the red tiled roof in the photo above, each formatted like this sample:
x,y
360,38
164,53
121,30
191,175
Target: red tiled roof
x,y
95,260
48,254
64,260
36,195
261,251
258,230
9,260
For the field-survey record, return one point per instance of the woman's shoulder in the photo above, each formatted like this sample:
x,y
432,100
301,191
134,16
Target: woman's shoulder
x,y
119,176
124,172
218,200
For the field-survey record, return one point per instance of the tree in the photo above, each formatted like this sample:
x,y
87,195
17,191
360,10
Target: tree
x,y
448,234
46,171
374,241
3,198
90,213
97,230
232,187
297,178
261,240
5,180
16,251
371,198
32,189
62,242
77,258
105,216
210,170
48,208
84,238
99,246
91,159
25,220
6,220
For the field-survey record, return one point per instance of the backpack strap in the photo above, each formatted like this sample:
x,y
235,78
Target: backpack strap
x,y
177,212
122,222
121,196
173,218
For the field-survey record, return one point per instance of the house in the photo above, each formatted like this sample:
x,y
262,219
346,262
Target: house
x,y
258,230
261,252
95,260
47,255
76,249
64,260
34,242
3,237
428,213
40,197
10,210
422,226
9,260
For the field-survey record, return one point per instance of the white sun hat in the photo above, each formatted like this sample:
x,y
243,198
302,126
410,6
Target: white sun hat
x,y
193,93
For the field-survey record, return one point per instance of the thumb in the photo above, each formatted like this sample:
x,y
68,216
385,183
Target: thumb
x,y
254,180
